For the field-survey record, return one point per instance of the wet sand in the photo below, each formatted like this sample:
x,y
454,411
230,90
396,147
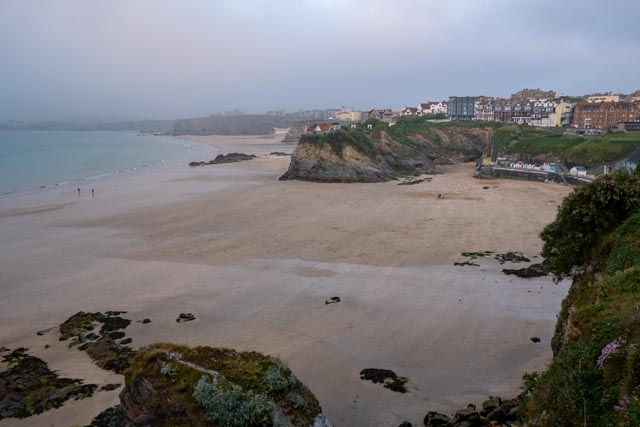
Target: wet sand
x,y
255,258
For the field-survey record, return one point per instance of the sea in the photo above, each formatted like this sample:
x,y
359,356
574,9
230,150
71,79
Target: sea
x,y
37,160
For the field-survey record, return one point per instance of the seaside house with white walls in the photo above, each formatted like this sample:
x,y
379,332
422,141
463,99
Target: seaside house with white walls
x,y
578,171
431,107
411,111
425,108
321,129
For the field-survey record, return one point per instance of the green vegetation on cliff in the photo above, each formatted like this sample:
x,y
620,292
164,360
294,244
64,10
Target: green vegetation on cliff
x,y
508,139
413,132
589,151
342,138
594,378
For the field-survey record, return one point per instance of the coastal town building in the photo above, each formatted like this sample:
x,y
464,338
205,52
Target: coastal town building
x,y
578,171
537,112
433,107
411,111
609,97
543,112
385,115
563,114
347,114
322,129
483,109
630,163
604,115
462,107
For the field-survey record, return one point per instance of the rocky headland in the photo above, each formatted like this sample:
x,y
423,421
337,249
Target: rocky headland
x,y
375,152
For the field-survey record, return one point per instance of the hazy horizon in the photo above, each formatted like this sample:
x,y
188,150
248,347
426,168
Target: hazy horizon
x,y
123,60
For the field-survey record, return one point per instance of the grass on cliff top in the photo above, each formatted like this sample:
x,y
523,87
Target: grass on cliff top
x,y
580,150
528,141
342,138
406,127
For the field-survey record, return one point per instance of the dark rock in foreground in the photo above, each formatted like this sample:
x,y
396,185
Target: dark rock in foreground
x,y
103,349
495,412
332,300
185,317
511,257
385,376
111,417
465,263
29,387
170,385
534,270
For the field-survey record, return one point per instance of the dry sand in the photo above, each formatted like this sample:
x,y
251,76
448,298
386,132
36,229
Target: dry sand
x,y
255,258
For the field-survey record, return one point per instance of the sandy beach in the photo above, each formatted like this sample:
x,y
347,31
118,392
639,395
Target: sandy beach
x,y
255,259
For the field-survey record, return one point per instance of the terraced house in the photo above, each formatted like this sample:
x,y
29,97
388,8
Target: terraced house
x,y
604,115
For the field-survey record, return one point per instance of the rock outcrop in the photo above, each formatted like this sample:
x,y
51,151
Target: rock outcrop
x,y
107,349
534,270
359,155
29,387
171,385
225,158
495,412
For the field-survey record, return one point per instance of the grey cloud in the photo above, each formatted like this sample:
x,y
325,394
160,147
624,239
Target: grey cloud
x,y
123,59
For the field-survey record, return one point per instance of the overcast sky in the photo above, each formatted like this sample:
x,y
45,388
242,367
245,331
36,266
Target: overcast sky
x,y
120,59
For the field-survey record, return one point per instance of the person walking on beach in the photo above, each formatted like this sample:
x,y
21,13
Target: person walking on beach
x,y
78,191
93,194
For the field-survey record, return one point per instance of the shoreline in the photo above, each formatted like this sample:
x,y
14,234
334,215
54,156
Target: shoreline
x,y
255,259
73,182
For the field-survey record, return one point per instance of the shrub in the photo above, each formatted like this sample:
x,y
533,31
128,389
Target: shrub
x,y
297,401
584,217
170,372
233,408
274,379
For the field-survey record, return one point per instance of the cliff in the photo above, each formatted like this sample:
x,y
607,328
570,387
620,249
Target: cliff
x,y
595,373
412,146
170,385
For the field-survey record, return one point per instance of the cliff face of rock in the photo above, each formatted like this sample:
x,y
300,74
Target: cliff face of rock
x,y
312,162
355,155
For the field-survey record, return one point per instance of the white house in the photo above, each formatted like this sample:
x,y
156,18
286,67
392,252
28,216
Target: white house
x,y
439,107
578,171
411,111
